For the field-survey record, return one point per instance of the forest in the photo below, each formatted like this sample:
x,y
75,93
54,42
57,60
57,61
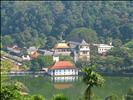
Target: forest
x,y
44,23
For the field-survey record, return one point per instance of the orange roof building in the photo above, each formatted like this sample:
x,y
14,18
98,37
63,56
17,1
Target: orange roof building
x,y
63,68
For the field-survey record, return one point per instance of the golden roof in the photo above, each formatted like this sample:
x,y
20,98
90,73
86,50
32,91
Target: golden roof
x,y
62,45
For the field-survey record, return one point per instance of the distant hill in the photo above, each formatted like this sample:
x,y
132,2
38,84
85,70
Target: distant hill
x,y
43,23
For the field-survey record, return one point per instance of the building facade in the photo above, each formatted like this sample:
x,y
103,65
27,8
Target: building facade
x,y
63,68
62,48
103,48
84,51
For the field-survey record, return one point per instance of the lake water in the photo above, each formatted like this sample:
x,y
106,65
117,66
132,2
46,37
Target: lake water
x,y
73,87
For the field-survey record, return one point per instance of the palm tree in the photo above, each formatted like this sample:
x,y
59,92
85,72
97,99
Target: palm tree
x,y
91,79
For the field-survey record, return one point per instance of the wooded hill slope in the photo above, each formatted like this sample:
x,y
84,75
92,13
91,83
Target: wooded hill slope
x,y
42,23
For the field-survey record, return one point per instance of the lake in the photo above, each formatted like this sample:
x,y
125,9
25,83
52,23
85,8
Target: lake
x,y
73,87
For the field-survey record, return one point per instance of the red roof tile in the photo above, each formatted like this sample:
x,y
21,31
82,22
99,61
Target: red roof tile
x,y
63,65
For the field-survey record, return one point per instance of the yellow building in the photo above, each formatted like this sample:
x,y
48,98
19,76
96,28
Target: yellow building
x,y
62,48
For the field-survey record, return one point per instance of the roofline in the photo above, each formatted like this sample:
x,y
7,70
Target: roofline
x,y
63,68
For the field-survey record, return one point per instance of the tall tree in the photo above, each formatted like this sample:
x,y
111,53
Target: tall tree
x,y
91,79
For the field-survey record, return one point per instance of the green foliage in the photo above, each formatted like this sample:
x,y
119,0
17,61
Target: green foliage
x,y
37,97
81,64
129,44
66,58
31,23
41,60
92,78
5,67
30,37
7,40
117,42
35,65
122,53
21,87
117,59
112,97
9,92
83,33
129,95
38,63
51,41
48,61
59,97
26,64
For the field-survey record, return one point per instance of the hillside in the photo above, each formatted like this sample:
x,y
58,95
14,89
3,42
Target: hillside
x,y
43,23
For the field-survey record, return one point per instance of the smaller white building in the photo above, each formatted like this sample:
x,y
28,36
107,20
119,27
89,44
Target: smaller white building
x,y
63,68
103,48
26,57
55,58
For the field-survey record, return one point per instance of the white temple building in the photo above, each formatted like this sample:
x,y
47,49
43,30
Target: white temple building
x,y
63,68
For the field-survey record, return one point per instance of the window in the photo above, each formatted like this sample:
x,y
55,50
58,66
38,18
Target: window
x,y
84,52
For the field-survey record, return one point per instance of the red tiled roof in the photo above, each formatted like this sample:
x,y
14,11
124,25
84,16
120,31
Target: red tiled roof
x,y
63,65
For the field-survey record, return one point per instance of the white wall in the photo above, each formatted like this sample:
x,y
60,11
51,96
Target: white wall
x,y
103,49
64,72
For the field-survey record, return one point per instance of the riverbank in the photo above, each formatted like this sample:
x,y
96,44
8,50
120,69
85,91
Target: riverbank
x,y
43,73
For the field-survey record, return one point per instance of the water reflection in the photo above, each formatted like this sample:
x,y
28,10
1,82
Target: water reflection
x,y
64,79
63,82
62,85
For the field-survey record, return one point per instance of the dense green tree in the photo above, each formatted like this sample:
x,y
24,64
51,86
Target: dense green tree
x,y
10,92
37,97
30,37
7,40
48,61
108,19
35,65
117,43
41,60
51,42
129,44
5,67
83,33
81,64
59,97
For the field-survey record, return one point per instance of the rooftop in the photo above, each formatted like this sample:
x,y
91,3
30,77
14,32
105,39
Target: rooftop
x,y
32,49
63,65
84,43
104,45
62,45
